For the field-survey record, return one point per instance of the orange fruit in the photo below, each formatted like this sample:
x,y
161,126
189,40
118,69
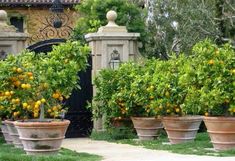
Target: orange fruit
x,y
15,114
13,100
14,69
38,102
19,70
25,105
7,93
30,74
55,95
36,106
35,115
28,86
45,85
43,100
54,108
17,100
29,107
17,83
177,110
211,62
167,94
61,98
23,86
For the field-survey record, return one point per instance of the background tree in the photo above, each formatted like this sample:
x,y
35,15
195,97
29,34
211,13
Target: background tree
x,y
176,25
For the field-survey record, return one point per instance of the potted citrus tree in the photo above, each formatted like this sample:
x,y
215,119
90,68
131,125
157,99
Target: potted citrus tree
x,y
132,99
110,84
6,93
215,68
180,120
39,84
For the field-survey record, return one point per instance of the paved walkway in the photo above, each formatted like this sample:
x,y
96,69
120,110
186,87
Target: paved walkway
x,y
124,152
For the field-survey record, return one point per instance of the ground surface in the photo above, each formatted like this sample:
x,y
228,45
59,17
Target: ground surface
x,y
10,153
124,152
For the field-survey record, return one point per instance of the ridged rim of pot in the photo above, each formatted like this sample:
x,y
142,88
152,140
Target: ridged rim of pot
x,y
48,124
10,122
182,118
146,118
218,118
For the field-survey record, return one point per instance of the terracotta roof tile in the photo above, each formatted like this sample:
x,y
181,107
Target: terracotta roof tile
x,y
28,2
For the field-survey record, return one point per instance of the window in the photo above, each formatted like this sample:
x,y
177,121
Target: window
x,y
18,22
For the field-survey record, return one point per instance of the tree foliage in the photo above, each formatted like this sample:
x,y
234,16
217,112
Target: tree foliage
x,y
176,25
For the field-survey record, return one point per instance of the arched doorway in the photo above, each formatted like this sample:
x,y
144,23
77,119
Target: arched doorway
x,y
80,117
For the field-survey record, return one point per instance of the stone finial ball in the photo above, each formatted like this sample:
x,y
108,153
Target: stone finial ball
x,y
3,15
111,15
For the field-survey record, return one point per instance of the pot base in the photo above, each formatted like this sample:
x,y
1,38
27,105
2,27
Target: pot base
x,y
147,127
181,129
221,131
42,138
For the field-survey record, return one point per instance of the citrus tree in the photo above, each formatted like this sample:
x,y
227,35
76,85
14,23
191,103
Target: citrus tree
x,y
215,69
38,83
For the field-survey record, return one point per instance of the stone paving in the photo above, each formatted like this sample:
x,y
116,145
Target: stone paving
x,y
124,152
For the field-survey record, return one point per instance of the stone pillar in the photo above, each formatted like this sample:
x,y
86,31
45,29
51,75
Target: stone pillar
x,y
109,39
10,40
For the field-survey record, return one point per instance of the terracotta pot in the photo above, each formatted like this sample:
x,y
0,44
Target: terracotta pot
x,y
221,131
5,133
181,129
42,138
147,127
12,131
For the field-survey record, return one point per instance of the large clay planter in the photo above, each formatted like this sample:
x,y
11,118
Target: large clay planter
x,y
221,131
181,129
12,131
42,138
147,128
6,134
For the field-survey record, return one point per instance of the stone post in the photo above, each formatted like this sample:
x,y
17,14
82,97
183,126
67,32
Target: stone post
x,y
109,39
10,40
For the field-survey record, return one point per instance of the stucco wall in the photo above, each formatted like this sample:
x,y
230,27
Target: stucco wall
x,y
38,22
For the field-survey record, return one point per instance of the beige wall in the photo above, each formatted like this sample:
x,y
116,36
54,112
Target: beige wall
x,y
38,22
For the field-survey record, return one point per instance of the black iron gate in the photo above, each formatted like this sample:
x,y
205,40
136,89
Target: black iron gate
x,y
79,116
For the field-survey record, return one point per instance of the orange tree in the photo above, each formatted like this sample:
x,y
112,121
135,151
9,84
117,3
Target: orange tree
x,y
168,96
122,103
215,69
106,86
38,83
